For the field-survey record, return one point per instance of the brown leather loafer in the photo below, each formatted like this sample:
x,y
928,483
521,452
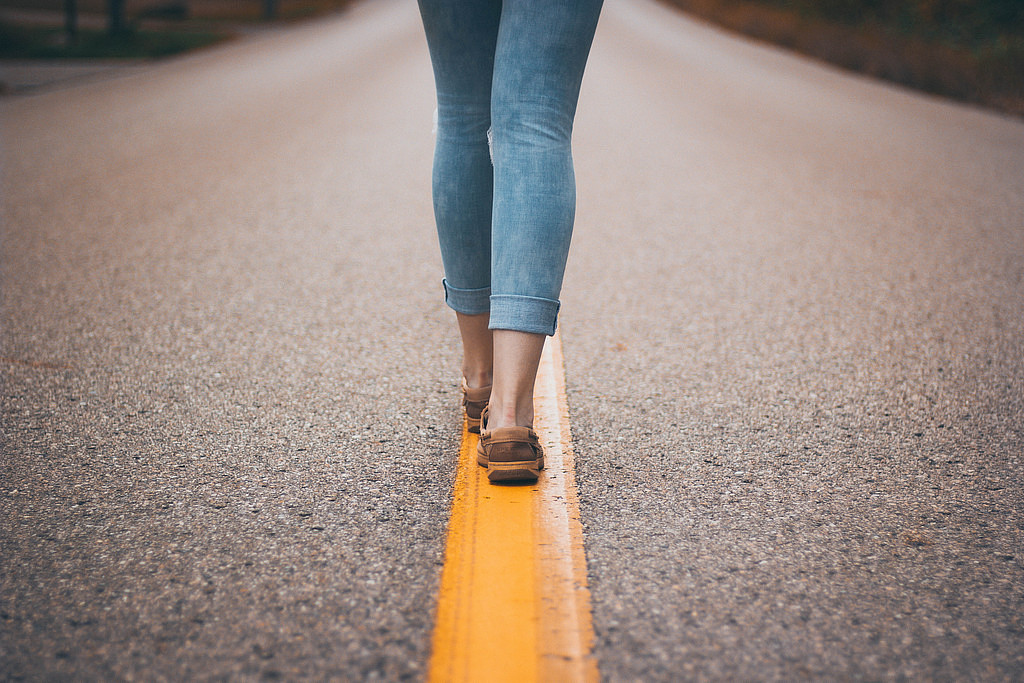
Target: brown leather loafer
x,y
510,454
474,400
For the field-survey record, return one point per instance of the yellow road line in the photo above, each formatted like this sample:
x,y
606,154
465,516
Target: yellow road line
x,y
514,603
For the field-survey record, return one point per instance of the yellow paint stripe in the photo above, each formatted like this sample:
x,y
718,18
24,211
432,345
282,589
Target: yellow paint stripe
x,y
514,603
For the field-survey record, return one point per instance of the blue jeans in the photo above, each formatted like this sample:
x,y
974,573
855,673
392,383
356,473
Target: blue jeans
x,y
508,76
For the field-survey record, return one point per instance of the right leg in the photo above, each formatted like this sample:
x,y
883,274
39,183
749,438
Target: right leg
x,y
538,69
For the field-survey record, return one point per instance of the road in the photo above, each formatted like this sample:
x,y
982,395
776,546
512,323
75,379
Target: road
x,y
793,325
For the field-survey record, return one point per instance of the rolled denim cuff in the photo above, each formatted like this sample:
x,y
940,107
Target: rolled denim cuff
x,y
467,301
524,314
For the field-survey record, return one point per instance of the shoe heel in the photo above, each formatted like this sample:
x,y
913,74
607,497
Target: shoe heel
x,y
474,401
527,470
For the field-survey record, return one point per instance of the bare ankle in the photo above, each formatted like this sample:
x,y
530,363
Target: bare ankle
x,y
477,378
514,414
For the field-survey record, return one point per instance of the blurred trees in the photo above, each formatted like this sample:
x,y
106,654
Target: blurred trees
x,y
972,50
71,20
963,22
116,23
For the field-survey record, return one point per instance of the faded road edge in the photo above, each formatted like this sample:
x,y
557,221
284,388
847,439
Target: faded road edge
x,y
514,603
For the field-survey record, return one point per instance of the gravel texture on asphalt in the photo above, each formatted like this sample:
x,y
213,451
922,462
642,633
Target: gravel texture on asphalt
x,y
794,334
230,400
793,324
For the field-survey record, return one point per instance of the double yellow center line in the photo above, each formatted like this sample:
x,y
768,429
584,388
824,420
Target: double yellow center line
x,y
514,603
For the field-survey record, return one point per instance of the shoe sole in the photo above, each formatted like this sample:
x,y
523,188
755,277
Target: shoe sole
x,y
528,471
519,470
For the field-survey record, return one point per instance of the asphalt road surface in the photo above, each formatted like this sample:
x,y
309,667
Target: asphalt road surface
x,y
793,324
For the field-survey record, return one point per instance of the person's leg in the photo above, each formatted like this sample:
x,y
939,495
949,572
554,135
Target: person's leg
x,y
540,57
477,349
461,36
516,358
477,364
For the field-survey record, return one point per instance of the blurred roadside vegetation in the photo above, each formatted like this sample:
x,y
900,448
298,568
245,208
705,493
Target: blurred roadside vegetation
x,y
41,42
970,50
40,29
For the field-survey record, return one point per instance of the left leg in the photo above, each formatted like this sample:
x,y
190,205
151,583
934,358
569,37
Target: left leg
x,y
461,36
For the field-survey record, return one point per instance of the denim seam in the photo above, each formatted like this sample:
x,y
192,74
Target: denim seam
x,y
537,315
467,301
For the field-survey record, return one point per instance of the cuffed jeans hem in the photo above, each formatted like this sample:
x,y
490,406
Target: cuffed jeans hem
x,y
523,314
467,301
